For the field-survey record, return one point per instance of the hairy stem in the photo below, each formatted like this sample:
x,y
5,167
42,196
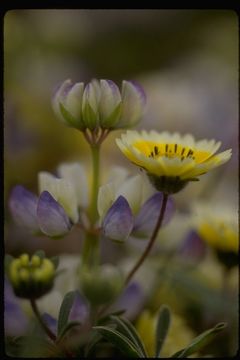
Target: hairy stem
x,y
151,241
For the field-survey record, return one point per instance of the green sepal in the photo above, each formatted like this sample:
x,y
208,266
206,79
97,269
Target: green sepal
x,y
113,118
70,119
90,118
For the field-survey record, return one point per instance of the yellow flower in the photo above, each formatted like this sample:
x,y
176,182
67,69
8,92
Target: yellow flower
x,y
218,227
171,160
179,335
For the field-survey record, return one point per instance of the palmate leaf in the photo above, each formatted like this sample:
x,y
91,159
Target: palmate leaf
x,y
127,329
163,323
200,341
65,310
120,341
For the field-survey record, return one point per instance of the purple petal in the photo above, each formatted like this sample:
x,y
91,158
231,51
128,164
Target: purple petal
x,y
140,91
23,207
15,321
147,217
132,300
52,219
80,310
193,248
51,322
65,87
118,222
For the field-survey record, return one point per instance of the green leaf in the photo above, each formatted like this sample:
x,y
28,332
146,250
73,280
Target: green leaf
x,y
90,348
119,340
107,317
163,323
40,253
200,341
65,310
127,329
55,261
66,328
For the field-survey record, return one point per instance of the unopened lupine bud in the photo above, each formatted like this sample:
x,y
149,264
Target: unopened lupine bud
x,y
101,285
32,277
99,105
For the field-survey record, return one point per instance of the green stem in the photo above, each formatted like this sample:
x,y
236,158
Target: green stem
x,y
93,213
91,244
43,325
151,241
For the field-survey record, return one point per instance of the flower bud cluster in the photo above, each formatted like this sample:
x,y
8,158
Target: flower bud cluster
x,y
32,277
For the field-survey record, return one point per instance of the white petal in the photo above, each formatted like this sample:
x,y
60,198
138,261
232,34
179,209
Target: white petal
x,y
106,196
75,174
110,98
73,101
62,191
132,190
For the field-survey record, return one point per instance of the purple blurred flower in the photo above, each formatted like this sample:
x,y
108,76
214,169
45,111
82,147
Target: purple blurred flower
x,y
43,214
15,321
147,217
131,300
193,248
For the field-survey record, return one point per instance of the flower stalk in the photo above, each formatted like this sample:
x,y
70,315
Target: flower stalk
x,y
91,243
50,334
151,241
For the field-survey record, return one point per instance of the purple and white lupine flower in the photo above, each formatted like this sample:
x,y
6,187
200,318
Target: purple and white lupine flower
x,y
130,208
118,222
56,209
41,214
99,104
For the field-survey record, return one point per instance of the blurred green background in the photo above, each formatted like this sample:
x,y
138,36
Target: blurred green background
x,y
186,60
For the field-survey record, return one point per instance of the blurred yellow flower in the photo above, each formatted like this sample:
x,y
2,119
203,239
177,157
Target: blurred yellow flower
x,y
179,335
171,160
218,227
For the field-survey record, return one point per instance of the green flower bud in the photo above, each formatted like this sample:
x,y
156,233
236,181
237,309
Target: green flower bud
x,y
101,285
31,278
